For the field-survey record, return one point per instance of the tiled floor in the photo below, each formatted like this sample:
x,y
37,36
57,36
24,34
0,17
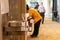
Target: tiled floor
x,y
48,31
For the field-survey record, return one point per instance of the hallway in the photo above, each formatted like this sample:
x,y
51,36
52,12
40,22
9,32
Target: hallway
x,y
48,31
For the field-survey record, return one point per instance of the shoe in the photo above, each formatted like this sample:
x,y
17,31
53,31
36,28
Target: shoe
x,y
42,23
33,36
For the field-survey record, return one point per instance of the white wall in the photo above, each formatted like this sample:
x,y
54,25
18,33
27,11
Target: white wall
x,y
58,8
4,6
47,5
45,2
28,1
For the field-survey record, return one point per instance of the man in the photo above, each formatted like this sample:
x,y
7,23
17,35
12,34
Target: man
x,y
42,11
37,5
37,19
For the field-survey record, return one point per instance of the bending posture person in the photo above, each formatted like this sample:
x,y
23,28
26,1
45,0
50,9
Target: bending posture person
x,y
37,19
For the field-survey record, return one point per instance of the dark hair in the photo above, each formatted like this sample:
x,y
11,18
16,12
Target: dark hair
x,y
36,7
37,3
27,7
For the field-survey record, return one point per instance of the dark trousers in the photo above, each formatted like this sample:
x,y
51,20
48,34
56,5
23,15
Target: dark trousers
x,y
36,28
42,14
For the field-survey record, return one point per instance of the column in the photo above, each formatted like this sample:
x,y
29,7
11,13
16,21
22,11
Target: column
x,y
49,8
54,10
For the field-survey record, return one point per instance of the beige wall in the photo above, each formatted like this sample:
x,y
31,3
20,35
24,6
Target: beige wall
x,y
0,22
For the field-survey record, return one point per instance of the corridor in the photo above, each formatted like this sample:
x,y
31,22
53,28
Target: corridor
x,y
15,10
50,30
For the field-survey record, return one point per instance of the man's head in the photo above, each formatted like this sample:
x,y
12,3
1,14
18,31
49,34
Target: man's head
x,y
27,8
41,3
